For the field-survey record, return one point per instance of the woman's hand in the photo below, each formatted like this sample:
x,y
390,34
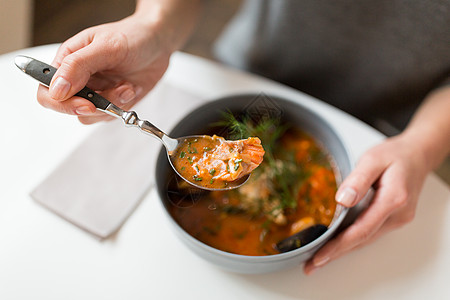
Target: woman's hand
x,y
111,59
122,61
397,173
396,169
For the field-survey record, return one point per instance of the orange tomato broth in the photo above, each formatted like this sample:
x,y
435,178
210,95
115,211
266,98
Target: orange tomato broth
x,y
255,235
190,151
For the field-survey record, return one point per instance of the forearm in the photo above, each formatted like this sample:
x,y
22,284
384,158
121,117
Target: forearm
x,y
174,20
430,127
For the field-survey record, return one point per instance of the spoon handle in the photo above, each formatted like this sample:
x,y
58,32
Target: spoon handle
x,y
43,73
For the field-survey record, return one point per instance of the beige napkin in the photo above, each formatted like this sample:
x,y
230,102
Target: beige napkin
x,y
100,184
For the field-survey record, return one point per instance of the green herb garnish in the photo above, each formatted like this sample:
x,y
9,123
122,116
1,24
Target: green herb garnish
x,y
191,150
190,160
182,154
236,164
284,172
212,171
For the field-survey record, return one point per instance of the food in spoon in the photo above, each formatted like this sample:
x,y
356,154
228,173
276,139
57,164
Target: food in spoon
x,y
213,162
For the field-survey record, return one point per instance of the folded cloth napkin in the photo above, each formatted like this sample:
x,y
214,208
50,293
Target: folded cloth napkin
x,y
100,184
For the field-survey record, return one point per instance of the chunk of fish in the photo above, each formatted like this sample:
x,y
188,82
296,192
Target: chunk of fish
x,y
232,160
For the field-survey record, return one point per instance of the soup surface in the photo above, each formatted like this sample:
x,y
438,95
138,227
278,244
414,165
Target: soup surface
x,y
292,189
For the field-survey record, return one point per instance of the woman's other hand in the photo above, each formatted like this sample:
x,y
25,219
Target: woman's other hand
x,y
396,169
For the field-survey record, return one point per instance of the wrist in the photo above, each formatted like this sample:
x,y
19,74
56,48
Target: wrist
x,y
429,129
428,143
170,22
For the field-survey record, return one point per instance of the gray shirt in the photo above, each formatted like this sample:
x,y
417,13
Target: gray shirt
x,y
373,59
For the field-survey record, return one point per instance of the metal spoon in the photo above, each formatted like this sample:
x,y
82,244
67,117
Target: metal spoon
x,y
44,74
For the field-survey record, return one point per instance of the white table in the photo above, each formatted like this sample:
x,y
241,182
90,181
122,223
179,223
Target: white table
x,y
45,257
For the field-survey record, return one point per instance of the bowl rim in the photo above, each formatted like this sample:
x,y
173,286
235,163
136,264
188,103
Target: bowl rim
x,y
262,258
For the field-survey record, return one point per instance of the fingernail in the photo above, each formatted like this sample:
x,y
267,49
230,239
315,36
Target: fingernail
x,y
126,96
346,197
59,88
84,110
321,261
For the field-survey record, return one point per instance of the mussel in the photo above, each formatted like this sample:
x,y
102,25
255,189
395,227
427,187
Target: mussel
x,y
301,238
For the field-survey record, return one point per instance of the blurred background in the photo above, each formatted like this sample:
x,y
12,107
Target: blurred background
x,y
26,23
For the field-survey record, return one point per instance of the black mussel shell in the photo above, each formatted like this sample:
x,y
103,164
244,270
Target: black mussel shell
x,y
301,238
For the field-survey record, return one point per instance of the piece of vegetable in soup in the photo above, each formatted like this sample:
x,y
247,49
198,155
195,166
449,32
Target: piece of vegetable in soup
x,y
212,161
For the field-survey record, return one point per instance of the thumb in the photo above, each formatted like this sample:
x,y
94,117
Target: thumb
x,y
358,183
76,68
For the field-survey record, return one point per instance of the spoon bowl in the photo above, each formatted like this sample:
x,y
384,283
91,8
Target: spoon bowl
x,y
171,155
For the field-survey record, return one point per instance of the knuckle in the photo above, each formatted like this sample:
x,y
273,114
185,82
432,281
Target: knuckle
x,y
400,199
364,235
63,108
364,179
116,45
359,179
112,40
116,42
357,235
370,157
73,62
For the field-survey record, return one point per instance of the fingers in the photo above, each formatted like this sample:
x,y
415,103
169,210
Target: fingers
x,y
72,45
393,222
313,264
77,60
387,211
72,106
392,170
88,120
124,95
357,184
368,170
77,67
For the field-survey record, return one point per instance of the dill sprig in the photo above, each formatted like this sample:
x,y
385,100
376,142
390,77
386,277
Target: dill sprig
x,y
268,130
286,175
